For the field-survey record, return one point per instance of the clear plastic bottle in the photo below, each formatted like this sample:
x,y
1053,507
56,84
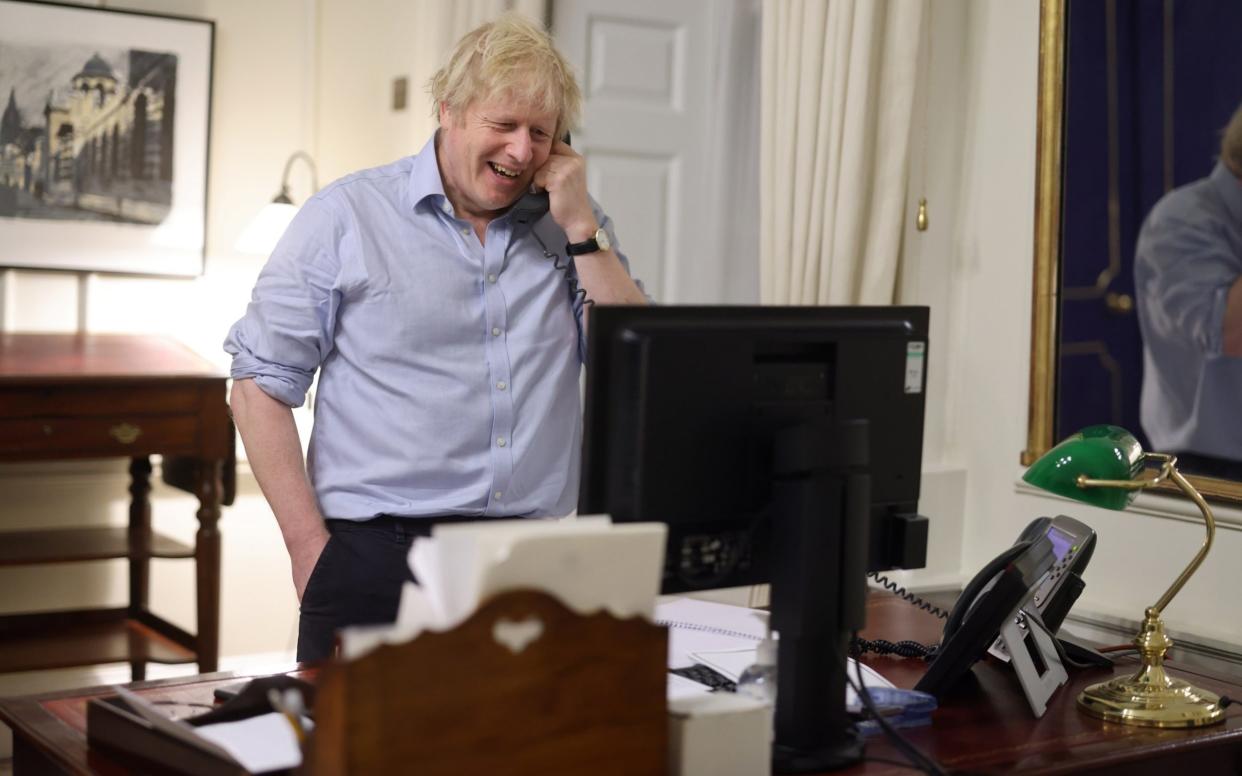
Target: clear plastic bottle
x,y
759,680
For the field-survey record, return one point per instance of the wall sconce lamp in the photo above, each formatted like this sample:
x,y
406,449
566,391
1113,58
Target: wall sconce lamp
x,y
264,230
1105,466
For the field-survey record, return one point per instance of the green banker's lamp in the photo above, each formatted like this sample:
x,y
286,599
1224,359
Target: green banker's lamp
x,y
1104,466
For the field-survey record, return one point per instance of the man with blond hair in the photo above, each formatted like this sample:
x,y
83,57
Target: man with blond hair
x,y
1188,283
448,344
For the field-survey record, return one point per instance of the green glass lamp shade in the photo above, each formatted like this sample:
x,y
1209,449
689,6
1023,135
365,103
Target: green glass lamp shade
x,y
1097,452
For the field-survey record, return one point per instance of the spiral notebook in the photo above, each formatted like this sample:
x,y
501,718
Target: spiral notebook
x,y
724,637
696,626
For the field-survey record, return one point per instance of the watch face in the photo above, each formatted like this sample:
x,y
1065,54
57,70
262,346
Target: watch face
x,y
601,238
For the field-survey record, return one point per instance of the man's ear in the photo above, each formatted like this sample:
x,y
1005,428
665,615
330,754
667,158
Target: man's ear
x,y
445,115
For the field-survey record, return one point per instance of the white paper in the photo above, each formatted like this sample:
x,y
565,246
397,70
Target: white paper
x,y
165,724
696,626
731,663
681,687
265,742
261,743
588,563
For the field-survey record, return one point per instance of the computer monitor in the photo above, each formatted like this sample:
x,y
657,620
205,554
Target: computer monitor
x,y
779,444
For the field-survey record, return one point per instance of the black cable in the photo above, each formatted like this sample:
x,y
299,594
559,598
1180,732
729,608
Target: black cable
x,y
904,648
571,277
911,752
907,596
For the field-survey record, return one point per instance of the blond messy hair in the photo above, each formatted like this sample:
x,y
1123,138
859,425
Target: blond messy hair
x,y
1231,143
511,55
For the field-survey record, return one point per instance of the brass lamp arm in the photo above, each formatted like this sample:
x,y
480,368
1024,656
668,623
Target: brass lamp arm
x,y
1190,491
1168,470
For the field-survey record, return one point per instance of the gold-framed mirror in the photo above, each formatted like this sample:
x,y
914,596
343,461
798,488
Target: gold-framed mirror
x,y
1046,348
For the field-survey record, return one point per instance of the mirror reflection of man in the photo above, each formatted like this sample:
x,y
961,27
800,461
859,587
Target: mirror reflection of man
x,y
1188,281
448,346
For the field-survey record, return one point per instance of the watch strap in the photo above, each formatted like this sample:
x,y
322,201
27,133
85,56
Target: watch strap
x,y
580,248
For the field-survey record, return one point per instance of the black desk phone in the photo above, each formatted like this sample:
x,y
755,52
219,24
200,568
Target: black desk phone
x,y
532,205
1044,566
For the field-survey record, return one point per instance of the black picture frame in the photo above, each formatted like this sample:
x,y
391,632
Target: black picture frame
x,y
105,129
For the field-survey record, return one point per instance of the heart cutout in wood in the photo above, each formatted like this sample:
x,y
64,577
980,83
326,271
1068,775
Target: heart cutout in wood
x,y
517,636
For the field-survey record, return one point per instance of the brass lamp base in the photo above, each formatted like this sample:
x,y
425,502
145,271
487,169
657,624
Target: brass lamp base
x,y
1125,701
1151,697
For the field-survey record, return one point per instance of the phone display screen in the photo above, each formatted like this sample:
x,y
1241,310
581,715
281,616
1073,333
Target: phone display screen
x,y
1061,542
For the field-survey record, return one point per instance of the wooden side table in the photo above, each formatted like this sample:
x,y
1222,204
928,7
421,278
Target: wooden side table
x,y
67,396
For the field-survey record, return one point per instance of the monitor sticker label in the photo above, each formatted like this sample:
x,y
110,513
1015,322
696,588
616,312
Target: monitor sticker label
x,y
914,366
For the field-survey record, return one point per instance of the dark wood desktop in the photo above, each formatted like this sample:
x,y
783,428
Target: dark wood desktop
x,y
75,396
984,727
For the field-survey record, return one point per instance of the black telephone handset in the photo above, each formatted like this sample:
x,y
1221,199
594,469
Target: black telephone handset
x,y
1044,566
532,205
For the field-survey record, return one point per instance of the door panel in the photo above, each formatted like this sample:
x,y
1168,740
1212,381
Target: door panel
x,y
644,67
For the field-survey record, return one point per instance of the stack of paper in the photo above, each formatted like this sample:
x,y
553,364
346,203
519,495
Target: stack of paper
x,y
588,563
725,638
258,744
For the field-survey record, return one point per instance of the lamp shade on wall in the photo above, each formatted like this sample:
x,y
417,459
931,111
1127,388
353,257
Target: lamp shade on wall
x,y
265,229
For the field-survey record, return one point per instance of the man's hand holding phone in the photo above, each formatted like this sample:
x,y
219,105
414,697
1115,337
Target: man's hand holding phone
x,y
563,177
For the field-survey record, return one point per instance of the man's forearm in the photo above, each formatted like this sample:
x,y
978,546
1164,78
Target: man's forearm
x,y
274,451
605,280
1231,340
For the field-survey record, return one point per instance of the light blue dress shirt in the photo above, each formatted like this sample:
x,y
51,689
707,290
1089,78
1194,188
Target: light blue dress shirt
x,y
449,369
1189,252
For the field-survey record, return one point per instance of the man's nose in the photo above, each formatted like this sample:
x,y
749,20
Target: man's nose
x,y
520,146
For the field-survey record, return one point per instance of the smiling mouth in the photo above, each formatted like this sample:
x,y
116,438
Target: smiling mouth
x,y
503,172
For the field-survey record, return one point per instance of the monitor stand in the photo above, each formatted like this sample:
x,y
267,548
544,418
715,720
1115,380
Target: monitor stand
x,y
821,511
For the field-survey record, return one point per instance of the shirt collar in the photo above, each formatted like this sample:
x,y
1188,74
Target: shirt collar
x,y
1229,188
425,182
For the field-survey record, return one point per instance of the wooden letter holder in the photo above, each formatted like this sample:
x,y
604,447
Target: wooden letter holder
x,y
525,686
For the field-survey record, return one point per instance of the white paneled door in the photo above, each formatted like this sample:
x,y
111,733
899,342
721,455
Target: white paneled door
x,y
645,68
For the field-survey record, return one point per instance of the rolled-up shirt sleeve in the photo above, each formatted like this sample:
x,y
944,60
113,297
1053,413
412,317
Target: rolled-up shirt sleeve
x,y
288,327
1183,273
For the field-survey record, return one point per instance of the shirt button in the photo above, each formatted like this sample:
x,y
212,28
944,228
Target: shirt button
x,y
497,495
491,278
495,331
466,232
502,385
500,442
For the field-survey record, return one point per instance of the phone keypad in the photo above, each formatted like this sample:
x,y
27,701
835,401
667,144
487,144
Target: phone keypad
x,y
1050,580
1054,574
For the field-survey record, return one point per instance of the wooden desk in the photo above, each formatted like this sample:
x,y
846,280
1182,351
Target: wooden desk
x,y
985,724
987,727
65,396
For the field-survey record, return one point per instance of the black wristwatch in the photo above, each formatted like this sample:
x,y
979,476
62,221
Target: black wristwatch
x,y
599,242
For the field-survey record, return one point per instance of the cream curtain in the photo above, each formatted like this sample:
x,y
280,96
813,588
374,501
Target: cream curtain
x,y
462,16
838,87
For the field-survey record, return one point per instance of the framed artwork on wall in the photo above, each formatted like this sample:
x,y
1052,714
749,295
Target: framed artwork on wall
x,y
104,136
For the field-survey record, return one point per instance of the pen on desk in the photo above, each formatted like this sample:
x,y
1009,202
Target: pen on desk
x,y
290,705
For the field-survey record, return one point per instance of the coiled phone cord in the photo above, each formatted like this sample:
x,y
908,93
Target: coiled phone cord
x,y
907,596
576,292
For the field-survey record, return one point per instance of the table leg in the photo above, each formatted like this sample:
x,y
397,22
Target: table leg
x,y
139,547
207,564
